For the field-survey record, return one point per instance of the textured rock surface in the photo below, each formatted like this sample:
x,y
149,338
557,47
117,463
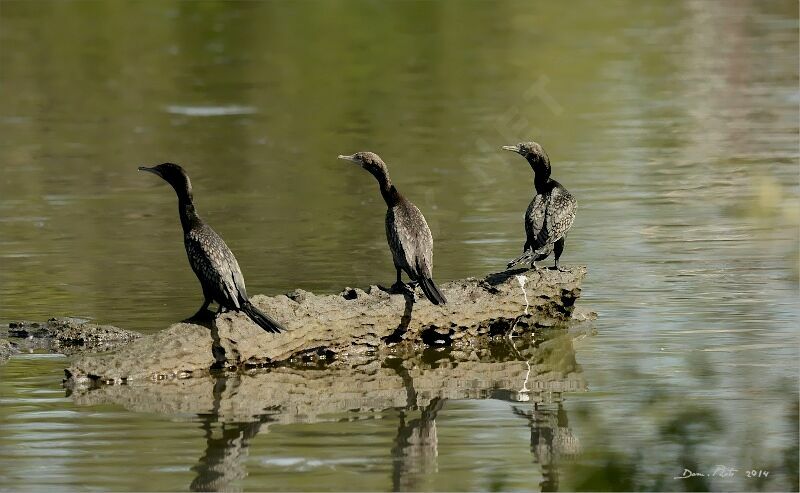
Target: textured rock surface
x,y
69,335
350,325
6,350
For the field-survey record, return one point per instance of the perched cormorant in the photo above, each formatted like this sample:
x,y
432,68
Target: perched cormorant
x,y
409,236
211,259
550,213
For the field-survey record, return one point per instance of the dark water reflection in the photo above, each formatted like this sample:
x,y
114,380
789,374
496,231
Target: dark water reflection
x,y
227,446
675,124
403,398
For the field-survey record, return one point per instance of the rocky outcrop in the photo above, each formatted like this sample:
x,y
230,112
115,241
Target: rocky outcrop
x,y
353,325
6,350
69,335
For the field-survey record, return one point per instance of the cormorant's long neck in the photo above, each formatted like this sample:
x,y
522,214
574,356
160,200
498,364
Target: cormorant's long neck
x,y
542,182
189,217
541,175
390,194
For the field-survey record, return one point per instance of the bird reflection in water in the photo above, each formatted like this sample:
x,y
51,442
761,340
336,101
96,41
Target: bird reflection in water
x,y
416,448
551,439
227,447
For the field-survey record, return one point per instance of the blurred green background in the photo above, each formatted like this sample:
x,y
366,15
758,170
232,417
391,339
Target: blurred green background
x,y
675,124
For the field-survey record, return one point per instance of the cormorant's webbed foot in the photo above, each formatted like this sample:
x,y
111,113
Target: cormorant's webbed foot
x,y
401,288
558,267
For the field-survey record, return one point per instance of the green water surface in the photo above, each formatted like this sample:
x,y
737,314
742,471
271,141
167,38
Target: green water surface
x,y
675,124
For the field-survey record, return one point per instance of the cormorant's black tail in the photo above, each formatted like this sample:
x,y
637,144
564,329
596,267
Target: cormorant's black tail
x,y
526,256
262,319
432,291
531,256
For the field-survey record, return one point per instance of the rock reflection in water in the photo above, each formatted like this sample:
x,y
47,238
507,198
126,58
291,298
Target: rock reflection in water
x,y
234,408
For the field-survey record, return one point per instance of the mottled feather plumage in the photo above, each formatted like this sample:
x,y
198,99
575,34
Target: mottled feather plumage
x,y
551,218
561,209
410,239
534,221
213,262
411,243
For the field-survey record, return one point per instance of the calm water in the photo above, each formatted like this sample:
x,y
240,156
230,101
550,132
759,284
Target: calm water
x,y
674,123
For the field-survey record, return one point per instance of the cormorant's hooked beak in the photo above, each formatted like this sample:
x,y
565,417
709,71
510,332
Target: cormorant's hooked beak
x,y
351,158
511,148
150,170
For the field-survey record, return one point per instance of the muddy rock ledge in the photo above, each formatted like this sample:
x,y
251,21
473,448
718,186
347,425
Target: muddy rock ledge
x,y
353,325
68,336
6,350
